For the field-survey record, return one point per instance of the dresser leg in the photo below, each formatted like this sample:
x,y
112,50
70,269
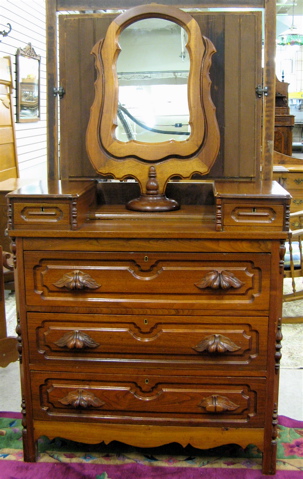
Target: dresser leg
x,y
270,445
269,461
29,447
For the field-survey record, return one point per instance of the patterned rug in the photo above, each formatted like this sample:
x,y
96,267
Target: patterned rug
x,y
119,461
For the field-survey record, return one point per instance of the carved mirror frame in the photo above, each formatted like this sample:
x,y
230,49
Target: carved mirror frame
x,y
27,84
153,164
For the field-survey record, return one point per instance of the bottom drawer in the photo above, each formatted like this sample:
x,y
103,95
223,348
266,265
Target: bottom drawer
x,y
135,397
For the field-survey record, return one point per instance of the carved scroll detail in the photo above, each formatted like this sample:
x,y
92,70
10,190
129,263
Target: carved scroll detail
x,y
219,280
8,261
81,399
217,403
76,340
216,343
77,280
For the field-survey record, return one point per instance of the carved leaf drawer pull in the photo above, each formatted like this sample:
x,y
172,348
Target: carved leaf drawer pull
x,y
217,403
81,399
219,280
76,340
216,343
77,280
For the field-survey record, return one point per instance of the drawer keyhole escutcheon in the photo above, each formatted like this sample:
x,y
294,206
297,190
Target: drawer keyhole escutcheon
x,y
77,280
145,259
81,399
216,344
145,321
219,280
76,340
146,381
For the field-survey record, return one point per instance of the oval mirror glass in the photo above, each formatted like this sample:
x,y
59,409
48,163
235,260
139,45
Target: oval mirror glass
x,y
152,70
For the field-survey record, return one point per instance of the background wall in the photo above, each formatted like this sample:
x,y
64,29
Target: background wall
x,y
27,18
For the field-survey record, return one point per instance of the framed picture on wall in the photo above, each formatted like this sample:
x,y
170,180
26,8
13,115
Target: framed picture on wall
x,y
28,84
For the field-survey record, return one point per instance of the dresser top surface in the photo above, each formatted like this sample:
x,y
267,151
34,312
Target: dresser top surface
x,y
88,208
250,189
221,188
52,189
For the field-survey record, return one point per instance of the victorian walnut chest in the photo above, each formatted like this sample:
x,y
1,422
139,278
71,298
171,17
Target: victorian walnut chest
x,y
150,328
149,277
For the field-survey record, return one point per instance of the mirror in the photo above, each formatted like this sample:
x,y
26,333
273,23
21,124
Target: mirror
x,y
152,70
131,66
28,85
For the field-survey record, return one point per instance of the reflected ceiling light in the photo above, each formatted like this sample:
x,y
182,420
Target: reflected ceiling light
x,y
292,36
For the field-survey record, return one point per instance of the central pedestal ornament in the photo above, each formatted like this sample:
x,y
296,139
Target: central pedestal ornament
x,y
152,200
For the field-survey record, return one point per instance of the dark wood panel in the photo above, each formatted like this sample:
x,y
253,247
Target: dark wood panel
x,y
52,107
269,78
251,105
212,26
77,76
242,107
234,76
71,72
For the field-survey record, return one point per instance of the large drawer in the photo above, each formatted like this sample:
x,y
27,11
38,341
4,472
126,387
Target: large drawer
x,y
137,397
150,340
172,279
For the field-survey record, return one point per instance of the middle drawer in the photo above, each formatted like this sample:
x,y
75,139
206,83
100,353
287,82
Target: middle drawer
x,y
192,341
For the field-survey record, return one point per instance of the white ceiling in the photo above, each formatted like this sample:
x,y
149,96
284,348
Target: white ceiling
x,y
288,7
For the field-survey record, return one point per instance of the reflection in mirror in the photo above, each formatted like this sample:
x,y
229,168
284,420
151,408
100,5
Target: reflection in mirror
x,y
28,84
153,69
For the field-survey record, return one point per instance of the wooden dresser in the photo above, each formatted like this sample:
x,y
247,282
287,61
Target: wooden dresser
x,y
291,178
5,187
288,171
150,328
284,122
